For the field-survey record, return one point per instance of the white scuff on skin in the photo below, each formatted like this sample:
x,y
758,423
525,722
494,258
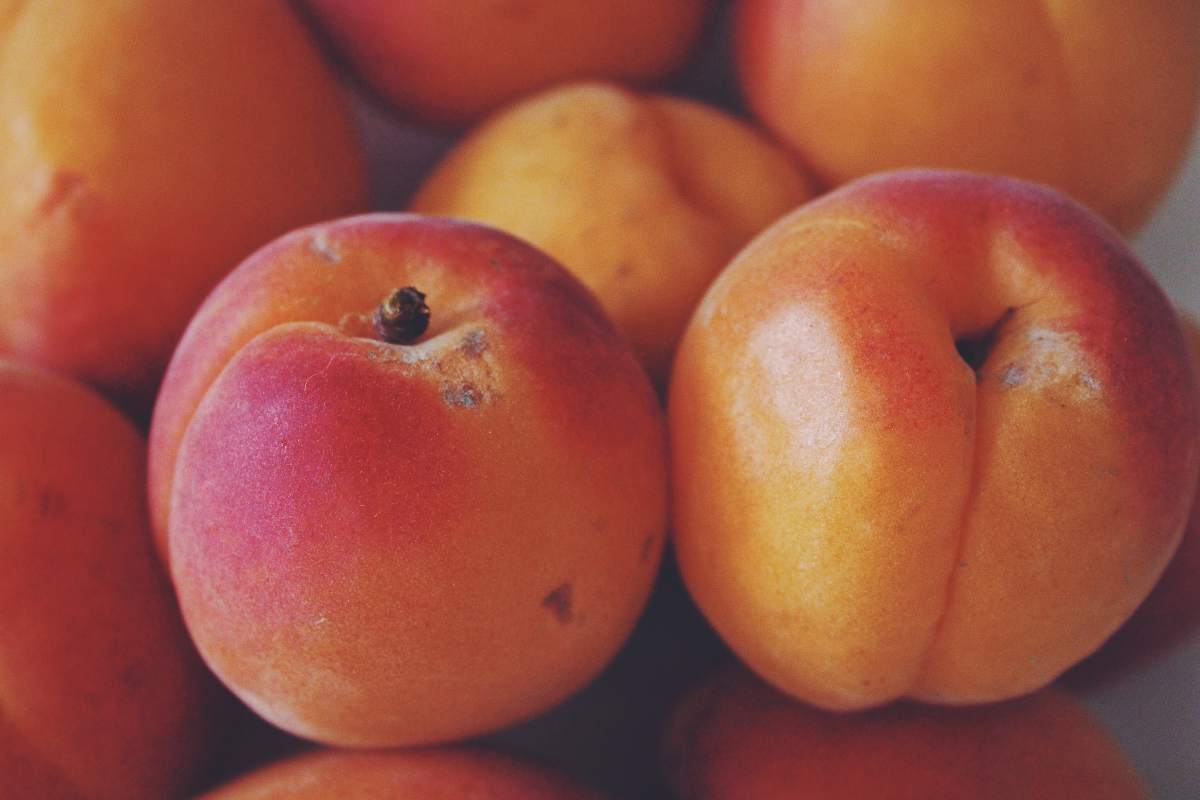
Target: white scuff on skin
x,y
1048,359
475,342
321,245
321,371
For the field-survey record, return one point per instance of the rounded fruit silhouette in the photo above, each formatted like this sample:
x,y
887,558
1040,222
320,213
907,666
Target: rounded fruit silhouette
x,y
387,534
933,435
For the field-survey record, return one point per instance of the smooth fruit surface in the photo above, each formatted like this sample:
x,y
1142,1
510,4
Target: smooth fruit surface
x,y
146,150
382,544
453,62
642,197
101,691
734,737
449,774
1172,611
933,435
1094,98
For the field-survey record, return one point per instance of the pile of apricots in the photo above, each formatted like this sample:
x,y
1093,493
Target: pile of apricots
x,y
733,400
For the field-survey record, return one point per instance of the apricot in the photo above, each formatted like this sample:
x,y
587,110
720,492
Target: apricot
x,y
1172,611
643,197
434,774
1094,98
450,63
734,737
101,691
934,435
150,146
386,534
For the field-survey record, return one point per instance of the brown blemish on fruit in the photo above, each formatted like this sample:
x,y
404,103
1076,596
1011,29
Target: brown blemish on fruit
x,y
463,395
466,371
474,343
558,602
461,364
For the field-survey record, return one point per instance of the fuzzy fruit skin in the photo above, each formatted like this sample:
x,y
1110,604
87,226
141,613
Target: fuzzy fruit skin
x,y
1172,611
102,694
1094,98
450,63
380,544
864,517
642,197
734,737
432,774
150,150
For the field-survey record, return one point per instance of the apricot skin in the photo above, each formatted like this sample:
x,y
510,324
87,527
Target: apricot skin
x,y
102,695
1172,611
432,774
1094,98
642,197
450,63
860,514
151,149
734,737
380,544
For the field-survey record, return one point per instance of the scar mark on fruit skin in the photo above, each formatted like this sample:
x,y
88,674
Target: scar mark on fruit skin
x,y
322,370
475,343
464,395
1013,375
321,245
462,365
558,602
1052,360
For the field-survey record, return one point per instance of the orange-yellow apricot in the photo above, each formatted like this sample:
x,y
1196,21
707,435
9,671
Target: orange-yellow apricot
x,y
450,63
101,693
148,146
934,435
643,197
1094,98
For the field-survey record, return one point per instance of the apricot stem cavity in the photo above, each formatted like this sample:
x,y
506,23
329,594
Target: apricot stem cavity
x,y
975,350
403,316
